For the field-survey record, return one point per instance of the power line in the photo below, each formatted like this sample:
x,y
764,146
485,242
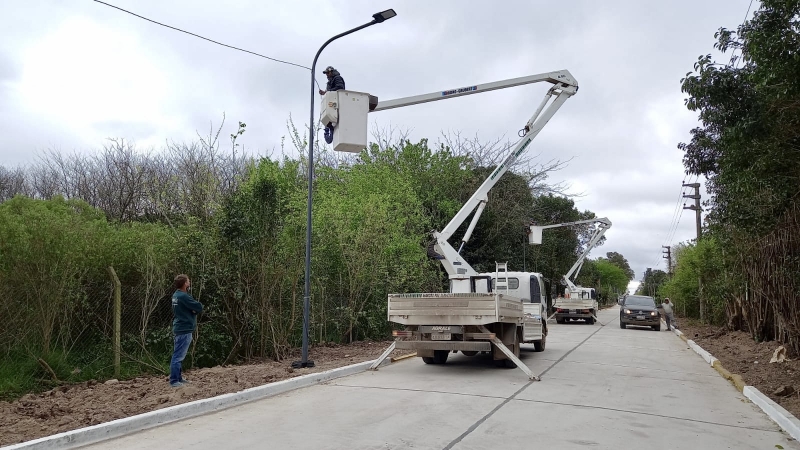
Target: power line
x,y
736,65
202,37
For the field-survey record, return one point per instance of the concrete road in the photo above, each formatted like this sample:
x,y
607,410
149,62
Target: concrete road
x,y
602,387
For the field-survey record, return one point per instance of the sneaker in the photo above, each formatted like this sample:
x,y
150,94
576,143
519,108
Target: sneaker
x,y
176,384
185,381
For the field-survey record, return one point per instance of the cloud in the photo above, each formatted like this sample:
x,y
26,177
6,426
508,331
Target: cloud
x,y
73,74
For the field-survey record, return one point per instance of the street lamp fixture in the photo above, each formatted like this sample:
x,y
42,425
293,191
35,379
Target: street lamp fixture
x,y
384,15
377,18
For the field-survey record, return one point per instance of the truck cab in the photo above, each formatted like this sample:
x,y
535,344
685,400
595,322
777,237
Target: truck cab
x,y
531,289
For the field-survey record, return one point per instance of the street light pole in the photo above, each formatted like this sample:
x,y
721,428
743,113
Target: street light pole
x,y
376,18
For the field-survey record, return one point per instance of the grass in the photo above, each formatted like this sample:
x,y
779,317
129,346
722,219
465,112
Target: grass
x,y
22,373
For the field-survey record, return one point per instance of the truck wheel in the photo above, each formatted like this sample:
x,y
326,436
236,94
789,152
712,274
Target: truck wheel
x,y
590,320
538,346
560,321
469,352
440,356
428,360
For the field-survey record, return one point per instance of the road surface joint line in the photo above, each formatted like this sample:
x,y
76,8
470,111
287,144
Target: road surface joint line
x,y
642,368
483,419
606,408
426,391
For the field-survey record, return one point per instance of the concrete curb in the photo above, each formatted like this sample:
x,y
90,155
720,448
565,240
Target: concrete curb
x,y
734,378
127,425
699,350
783,418
788,422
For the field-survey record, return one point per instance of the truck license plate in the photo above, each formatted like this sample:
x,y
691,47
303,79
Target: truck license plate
x,y
640,317
440,336
573,311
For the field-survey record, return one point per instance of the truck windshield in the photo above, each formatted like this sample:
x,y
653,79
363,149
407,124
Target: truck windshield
x,y
640,301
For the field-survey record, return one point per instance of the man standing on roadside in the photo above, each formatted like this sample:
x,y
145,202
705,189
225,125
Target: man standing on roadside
x,y
669,317
185,309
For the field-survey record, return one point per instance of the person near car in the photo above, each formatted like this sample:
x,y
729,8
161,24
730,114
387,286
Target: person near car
x,y
185,309
669,316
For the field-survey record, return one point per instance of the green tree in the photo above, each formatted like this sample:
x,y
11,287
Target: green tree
x,y
618,260
748,149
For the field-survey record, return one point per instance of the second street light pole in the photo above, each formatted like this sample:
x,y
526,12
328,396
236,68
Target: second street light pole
x,y
376,18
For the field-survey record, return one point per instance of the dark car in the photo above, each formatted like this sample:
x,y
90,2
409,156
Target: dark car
x,y
639,310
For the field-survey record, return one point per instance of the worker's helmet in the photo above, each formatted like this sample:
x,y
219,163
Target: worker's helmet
x,y
328,69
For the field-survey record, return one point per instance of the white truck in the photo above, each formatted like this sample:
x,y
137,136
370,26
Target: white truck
x,y
483,312
578,302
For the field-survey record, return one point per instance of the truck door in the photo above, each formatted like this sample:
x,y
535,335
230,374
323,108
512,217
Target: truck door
x,y
536,290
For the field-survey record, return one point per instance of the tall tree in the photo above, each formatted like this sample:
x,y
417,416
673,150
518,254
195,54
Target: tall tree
x,y
618,260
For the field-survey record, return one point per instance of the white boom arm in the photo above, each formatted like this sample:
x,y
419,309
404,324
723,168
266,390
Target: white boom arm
x,y
603,224
564,86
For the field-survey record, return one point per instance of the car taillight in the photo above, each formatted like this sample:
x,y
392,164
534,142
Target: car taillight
x,y
402,333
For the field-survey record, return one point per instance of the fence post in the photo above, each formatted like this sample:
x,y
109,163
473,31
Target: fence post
x,y
117,318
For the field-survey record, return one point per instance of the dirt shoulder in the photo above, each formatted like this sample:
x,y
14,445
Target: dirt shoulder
x,y
70,407
740,354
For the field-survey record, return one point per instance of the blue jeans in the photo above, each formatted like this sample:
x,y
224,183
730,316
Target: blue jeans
x,y
182,342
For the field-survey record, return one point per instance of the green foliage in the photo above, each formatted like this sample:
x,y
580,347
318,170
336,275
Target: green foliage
x,y
748,148
618,260
244,251
701,261
651,283
560,247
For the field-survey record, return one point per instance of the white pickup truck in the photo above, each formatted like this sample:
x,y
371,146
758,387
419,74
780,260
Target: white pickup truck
x,y
439,323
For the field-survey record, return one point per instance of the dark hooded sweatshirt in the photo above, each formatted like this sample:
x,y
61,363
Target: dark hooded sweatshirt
x,y
185,308
336,82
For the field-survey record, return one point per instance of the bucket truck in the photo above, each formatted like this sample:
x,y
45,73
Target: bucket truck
x,y
578,302
492,312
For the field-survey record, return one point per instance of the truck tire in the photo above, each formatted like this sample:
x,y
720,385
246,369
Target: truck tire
x,y
428,360
559,320
469,352
538,346
440,356
590,320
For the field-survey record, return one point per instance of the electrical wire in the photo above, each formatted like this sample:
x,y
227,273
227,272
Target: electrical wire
x,y
205,38
736,65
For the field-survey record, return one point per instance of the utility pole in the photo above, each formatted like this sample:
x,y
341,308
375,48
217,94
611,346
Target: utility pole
x,y
668,257
698,212
696,207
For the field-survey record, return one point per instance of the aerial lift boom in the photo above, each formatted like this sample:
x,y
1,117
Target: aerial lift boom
x,y
564,86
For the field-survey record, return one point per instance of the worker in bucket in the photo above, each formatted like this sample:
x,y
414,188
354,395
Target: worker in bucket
x,y
335,83
335,80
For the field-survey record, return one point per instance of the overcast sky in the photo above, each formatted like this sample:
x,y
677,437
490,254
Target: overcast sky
x,y
74,72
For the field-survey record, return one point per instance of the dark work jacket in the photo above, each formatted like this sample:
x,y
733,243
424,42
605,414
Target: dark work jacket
x,y
185,308
336,83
